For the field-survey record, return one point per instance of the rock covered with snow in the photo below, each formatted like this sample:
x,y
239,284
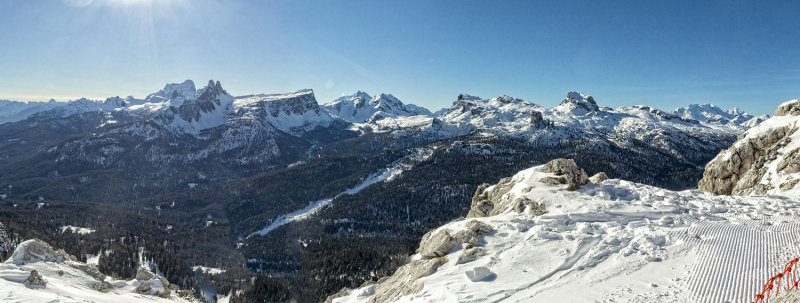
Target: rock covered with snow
x,y
496,199
789,108
36,250
35,280
764,160
578,104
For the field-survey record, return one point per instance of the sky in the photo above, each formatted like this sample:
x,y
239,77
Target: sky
x,y
664,54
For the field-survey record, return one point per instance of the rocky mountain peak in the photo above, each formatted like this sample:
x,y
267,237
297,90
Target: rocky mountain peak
x,y
465,97
208,100
578,103
185,89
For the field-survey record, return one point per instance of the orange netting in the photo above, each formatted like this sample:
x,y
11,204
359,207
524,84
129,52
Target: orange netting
x,y
788,277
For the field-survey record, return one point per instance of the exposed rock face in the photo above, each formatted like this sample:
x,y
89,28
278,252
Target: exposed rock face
x,y
436,245
35,280
579,103
405,280
791,108
765,159
440,243
598,177
537,120
470,254
567,172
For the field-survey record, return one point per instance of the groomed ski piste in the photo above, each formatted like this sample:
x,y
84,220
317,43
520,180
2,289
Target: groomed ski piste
x,y
616,241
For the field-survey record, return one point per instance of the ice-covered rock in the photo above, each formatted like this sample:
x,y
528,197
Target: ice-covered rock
x,y
765,159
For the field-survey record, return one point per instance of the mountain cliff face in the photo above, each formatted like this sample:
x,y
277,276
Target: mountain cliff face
x,y
764,160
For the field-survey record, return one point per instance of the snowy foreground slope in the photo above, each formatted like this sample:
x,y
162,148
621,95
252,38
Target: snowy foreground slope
x,y
57,278
529,239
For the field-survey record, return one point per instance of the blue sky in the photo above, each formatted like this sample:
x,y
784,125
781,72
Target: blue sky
x,y
660,53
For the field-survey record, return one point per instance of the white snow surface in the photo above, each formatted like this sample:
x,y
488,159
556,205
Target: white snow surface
x,y
208,270
76,230
72,285
619,241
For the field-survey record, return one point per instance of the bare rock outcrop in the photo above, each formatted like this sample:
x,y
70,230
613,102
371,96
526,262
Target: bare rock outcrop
x,y
36,250
35,280
598,177
764,160
405,280
566,171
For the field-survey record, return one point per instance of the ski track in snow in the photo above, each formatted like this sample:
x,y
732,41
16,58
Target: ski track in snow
x,y
736,260
386,174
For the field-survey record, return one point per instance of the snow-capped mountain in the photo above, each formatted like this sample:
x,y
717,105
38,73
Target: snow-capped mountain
x,y
710,113
361,108
765,159
546,235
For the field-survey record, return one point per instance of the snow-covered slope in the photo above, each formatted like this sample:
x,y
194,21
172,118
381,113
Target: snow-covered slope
x,y
361,108
765,159
38,273
710,113
612,241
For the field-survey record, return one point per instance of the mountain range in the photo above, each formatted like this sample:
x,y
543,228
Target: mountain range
x,y
312,198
